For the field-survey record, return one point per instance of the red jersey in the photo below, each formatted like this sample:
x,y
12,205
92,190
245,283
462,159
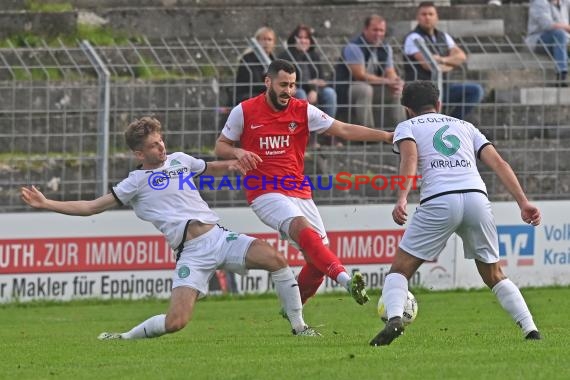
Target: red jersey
x,y
280,139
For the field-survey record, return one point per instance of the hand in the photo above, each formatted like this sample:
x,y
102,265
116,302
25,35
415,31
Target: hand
x,y
32,196
399,213
389,139
312,97
236,166
530,214
247,159
396,86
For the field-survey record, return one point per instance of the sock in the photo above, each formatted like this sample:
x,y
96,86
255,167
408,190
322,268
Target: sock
x,y
151,328
309,279
513,302
288,292
343,278
319,254
395,294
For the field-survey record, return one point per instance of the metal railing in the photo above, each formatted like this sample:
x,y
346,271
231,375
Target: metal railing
x,y
53,107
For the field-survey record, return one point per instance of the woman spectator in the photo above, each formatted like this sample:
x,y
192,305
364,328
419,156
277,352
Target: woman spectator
x,y
310,85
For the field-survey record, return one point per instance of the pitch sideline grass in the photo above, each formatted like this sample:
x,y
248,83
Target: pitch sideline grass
x,y
457,335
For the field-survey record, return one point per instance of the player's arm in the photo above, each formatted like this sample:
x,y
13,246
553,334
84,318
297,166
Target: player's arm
x,y
408,168
36,199
353,132
489,155
225,148
219,168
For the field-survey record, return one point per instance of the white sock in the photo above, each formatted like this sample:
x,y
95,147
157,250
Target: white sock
x,y
395,294
513,302
343,278
288,292
151,328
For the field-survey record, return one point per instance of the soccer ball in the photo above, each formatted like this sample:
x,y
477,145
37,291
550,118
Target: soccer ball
x,y
410,309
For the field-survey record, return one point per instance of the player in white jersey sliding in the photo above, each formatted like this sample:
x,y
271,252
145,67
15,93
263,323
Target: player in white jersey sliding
x,y
162,191
453,198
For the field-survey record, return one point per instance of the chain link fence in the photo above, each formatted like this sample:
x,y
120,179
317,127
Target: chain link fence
x,y
63,111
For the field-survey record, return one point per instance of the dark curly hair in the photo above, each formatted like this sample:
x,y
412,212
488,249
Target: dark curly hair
x,y
420,96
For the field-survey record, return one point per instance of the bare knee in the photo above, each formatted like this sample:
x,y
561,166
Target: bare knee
x,y
491,274
296,225
494,279
405,264
275,260
263,256
175,322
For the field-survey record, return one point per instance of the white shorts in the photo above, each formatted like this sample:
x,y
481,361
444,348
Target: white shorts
x,y
201,256
277,210
467,214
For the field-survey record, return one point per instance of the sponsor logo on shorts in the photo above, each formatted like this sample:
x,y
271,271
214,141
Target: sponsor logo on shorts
x,y
183,272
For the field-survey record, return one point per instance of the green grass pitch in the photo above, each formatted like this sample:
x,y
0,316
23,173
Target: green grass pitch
x,y
457,335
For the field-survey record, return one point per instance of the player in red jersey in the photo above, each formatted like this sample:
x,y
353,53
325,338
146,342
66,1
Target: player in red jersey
x,y
273,129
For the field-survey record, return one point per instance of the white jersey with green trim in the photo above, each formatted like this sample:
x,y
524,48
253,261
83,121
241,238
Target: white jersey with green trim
x,y
167,196
447,151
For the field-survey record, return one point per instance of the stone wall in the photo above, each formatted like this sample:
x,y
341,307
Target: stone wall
x,y
188,19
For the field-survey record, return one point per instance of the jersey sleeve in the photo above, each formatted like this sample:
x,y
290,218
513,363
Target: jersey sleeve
x,y
234,125
479,141
196,165
126,190
318,120
403,132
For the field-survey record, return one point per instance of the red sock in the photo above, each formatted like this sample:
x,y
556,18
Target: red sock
x,y
319,254
309,280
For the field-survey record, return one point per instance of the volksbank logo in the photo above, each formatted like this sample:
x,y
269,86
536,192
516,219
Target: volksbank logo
x,y
516,244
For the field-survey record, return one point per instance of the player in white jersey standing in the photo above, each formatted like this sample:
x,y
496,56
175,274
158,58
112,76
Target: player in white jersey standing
x,y
453,198
162,191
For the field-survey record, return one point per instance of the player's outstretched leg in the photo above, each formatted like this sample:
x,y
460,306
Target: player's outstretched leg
x,y
151,328
326,262
309,279
393,329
